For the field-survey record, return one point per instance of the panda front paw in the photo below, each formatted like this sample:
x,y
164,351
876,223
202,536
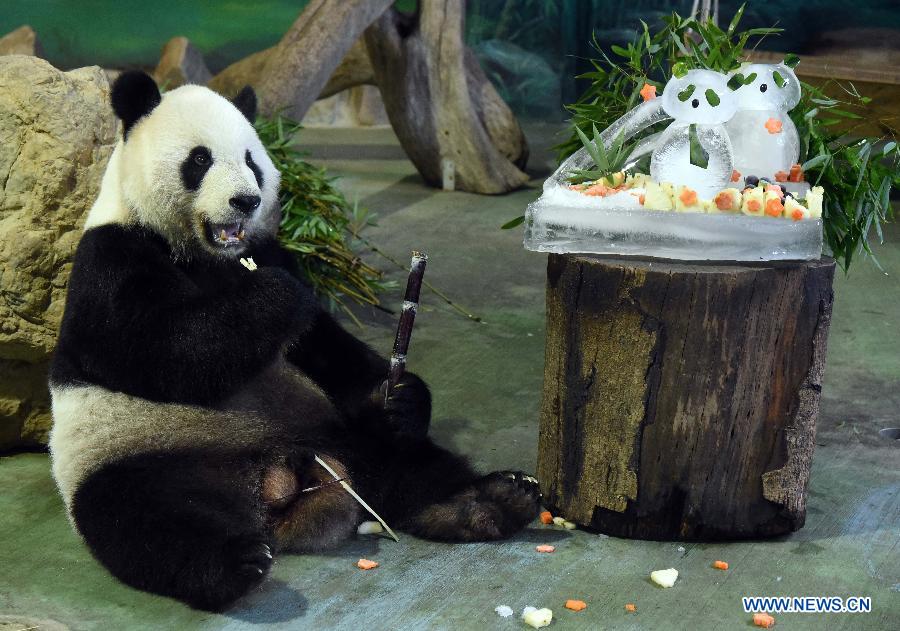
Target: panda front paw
x,y
408,406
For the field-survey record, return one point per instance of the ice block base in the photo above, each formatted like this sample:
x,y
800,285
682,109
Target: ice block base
x,y
669,234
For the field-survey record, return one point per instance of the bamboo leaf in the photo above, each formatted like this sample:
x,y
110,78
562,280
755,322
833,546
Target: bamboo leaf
x,y
512,223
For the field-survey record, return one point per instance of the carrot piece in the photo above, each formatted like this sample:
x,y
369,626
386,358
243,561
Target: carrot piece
x,y
796,174
630,607
546,517
781,176
642,199
763,620
797,215
735,175
774,208
720,565
753,206
545,548
773,125
365,564
724,201
576,605
648,92
688,196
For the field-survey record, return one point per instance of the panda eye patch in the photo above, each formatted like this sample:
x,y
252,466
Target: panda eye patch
x,y
257,173
195,166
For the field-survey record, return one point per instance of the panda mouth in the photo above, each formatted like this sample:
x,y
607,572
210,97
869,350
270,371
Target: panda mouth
x,y
226,234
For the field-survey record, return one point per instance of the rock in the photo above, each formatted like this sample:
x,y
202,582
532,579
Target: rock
x,y
58,133
22,41
359,106
181,63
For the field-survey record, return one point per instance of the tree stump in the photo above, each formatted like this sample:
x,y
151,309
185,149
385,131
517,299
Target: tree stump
x,y
680,400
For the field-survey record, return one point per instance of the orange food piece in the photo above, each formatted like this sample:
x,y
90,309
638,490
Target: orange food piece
x,y
774,126
596,190
642,198
576,605
735,175
753,206
796,174
545,548
724,201
720,565
774,208
781,176
546,517
648,92
763,620
797,215
366,564
688,197
774,188
630,607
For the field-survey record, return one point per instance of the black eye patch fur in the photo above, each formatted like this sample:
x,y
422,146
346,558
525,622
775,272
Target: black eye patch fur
x,y
195,167
257,173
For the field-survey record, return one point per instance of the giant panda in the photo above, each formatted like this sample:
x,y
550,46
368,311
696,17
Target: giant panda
x,y
190,394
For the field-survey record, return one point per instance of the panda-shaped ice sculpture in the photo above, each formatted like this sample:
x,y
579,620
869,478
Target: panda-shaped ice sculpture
x,y
763,137
702,99
699,98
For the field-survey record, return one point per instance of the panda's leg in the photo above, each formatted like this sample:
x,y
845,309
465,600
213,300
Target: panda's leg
x,y
432,493
186,524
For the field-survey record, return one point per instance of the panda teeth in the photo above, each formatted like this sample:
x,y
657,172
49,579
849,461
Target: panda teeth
x,y
222,235
241,234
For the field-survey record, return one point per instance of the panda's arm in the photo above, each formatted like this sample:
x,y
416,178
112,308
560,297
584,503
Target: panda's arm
x,y
142,326
347,369
352,374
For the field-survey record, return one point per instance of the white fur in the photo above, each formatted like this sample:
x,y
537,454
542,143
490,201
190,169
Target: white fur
x,y
143,183
93,426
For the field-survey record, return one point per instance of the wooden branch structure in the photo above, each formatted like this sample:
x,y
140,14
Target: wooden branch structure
x,y
680,401
440,103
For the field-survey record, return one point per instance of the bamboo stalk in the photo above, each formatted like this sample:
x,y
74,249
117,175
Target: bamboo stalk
x,y
407,319
362,502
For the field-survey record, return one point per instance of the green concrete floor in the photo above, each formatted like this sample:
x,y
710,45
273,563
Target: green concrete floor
x,y
486,380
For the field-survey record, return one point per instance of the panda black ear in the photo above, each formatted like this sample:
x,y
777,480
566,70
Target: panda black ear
x,y
134,95
245,101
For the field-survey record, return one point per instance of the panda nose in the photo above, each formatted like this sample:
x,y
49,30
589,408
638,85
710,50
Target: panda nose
x,y
245,203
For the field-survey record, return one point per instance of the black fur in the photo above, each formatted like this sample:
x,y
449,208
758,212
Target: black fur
x,y
134,95
192,524
245,101
136,322
257,173
194,167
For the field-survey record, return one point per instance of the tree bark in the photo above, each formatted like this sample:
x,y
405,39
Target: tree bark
x,y
294,72
438,99
440,103
355,69
680,401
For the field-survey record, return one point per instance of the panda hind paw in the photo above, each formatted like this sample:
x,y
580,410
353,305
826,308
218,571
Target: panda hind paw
x,y
251,557
496,506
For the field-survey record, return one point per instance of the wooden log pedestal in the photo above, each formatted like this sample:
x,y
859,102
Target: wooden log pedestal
x,y
680,400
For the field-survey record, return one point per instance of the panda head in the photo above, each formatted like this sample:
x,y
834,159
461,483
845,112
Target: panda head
x,y
699,96
765,87
192,167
